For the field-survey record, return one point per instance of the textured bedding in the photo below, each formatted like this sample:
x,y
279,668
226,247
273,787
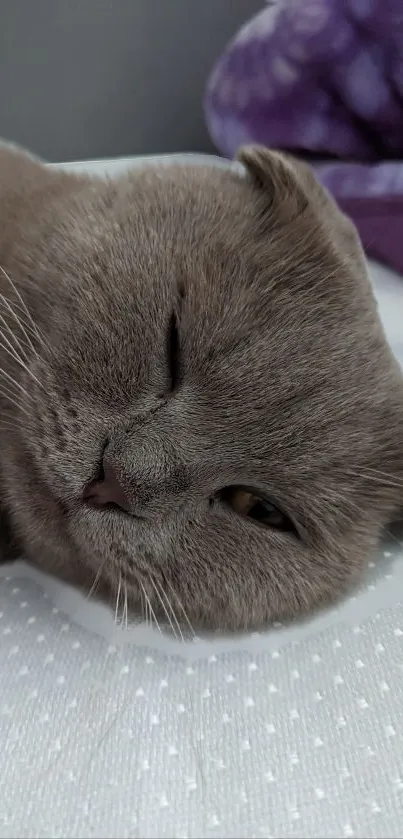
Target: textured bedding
x,y
324,79
106,731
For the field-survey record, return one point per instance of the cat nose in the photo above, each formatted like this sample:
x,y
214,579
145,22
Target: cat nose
x,y
107,491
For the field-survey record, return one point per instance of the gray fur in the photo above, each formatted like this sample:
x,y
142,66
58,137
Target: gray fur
x,y
286,385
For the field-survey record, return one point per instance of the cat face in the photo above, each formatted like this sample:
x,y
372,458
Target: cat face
x,y
199,409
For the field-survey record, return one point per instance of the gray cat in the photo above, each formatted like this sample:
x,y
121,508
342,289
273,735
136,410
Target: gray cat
x,y
199,409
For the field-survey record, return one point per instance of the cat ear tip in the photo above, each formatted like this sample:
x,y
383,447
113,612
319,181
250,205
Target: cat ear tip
x,y
250,153
258,161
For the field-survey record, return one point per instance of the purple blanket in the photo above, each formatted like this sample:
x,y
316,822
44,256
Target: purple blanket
x,y
324,79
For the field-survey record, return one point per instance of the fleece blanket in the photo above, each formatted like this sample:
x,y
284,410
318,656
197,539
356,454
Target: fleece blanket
x,y
323,79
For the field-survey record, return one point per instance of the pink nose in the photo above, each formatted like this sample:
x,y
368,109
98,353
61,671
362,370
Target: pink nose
x,y
107,491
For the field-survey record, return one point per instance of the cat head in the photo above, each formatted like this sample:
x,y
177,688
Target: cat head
x,y
199,406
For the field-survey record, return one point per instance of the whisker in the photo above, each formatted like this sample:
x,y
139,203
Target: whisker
x,y
359,508
152,613
387,480
171,608
12,425
18,320
24,305
7,388
181,606
16,358
6,412
19,314
118,599
14,382
377,476
10,385
167,615
9,418
125,608
96,580
13,401
144,608
20,345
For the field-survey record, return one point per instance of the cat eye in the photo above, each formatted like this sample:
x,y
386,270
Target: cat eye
x,y
173,351
250,504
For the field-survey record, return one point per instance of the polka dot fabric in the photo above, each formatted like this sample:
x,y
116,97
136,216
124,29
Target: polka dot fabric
x,y
104,740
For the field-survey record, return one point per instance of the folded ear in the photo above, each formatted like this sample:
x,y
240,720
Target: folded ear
x,y
273,174
21,176
17,166
291,190
27,188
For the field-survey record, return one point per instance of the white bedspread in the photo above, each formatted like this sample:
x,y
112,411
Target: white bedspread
x,y
293,732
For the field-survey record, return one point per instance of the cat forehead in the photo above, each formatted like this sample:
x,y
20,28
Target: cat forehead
x,y
247,293
204,218
202,231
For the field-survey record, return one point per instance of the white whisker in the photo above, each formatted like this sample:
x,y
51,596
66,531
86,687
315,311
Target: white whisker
x,y
6,395
172,610
125,608
96,580
19,361
25,326
14,382
11,426
18,320
152,613
19,344
24,306
167,615
182,608
7,388
118,599
144,608
377,476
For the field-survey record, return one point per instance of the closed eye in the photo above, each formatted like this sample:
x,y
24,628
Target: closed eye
x,y
173,351
252,505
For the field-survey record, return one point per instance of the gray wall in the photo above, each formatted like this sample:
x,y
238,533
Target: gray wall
x,y
93,78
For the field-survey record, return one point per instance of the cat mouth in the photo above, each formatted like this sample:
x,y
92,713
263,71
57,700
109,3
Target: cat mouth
x,y
110,513
116,511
